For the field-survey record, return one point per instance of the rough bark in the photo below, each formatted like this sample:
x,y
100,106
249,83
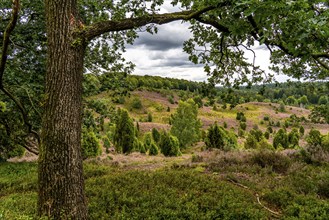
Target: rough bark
x,y
61,183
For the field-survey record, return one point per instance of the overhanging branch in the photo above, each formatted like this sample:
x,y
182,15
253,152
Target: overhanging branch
x,y
10,27
102,27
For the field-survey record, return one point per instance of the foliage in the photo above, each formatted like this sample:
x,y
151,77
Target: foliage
x,y
251,142
153,149
198,100
149,117
169,145
314,137
185,123
267,135
241,24
243,125
148,140
136,103
293,138
124,134
320,114
90,144
280,138
317,149
220,138
106,142
301,130
156,135
239,116
277,162
282,107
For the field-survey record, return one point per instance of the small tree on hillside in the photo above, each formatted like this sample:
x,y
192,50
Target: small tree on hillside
x,y
293,138
154,150
124,132
280,139
169,145
185,123
218,137
156,135
90,144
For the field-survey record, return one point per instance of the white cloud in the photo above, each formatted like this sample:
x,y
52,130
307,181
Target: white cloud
x,y
162,54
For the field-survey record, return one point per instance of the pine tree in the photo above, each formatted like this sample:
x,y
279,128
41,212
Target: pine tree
x,y
280,138
169,145
124,132
220,138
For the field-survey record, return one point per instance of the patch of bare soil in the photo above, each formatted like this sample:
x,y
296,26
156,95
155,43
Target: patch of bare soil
x,y
27,157
270,110
156,97
147,126
138,161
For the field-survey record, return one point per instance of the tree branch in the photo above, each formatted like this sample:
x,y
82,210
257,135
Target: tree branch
x,y
257,34
102,27
3,60
10,27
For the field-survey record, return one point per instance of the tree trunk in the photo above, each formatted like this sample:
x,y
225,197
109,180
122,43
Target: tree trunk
x,y
61,184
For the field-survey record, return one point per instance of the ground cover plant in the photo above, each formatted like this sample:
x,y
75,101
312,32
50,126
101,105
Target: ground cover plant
x,y
223,185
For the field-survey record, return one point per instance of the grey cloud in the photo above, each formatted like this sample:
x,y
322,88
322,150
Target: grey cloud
x,y
169,36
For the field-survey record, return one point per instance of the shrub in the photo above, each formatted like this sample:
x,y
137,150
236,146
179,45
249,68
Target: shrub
x,y
198,100
278,124
196,158
243,125
240,132
293,138
142,149
269,129
280,138
218,137
317,149
153,149
280,197
266,118
277,162
149,117
258,134
251,142
239,115
171,99
148,140
136,103
156,135
106,143
264,145
267,134
90,144
314,137
301,131
169,145
124,133
243,118
225,124
282,107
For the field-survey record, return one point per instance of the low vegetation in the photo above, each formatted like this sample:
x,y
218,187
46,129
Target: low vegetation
x,y
224,185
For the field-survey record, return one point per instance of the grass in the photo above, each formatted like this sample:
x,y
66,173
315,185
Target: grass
x,y
221,185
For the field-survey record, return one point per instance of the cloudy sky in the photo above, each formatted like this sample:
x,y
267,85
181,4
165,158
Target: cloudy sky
x,y
162,54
